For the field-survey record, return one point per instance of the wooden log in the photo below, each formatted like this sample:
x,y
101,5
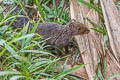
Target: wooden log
x,y
91,46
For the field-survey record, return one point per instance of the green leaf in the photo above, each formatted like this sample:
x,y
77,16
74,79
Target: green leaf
x,y
36,51
3,29
42,13
93,23
8,1
118,5
99,74
114,76
6,16
92,2
47,8
28,40
15,18
105,40
62,74
9,48
16,77
50,62
1,9
76,57
47,79
35,27
13,52
23,37
105,68
54,5
38,64
91,6
100,30
61,4
23,59
65,65
3,73
2,42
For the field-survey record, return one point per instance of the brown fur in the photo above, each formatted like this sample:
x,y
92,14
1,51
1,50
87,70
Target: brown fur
x,y
61,34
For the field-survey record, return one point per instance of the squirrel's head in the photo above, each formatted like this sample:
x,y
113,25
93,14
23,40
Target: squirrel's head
x,y
78,28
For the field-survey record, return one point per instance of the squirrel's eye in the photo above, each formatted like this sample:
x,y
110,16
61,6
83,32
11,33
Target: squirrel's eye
x,y
78,28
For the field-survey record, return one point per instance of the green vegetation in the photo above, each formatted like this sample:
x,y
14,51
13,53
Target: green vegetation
x,y
23,53
118,5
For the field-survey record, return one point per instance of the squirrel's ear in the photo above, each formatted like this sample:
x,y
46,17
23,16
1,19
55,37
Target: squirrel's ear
x,y
71,23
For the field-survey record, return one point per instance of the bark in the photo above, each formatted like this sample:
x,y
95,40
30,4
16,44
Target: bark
x,y
112,18
91,46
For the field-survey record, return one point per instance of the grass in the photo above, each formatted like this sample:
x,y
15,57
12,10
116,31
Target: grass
x,y
118,5
23,53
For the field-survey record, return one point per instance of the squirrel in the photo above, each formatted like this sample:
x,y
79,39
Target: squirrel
x,y
59,35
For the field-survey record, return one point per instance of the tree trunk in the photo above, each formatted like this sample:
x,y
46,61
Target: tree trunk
x,y
91,46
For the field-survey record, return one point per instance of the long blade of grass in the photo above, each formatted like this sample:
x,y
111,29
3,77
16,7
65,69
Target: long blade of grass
x,y
27,41
62,74
35,27
14,18
114,76
105,68
47,79
90,5
17,77
92,1
15,40
50,62
6,16
23,37
61,4
47,8
2,73
42,13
